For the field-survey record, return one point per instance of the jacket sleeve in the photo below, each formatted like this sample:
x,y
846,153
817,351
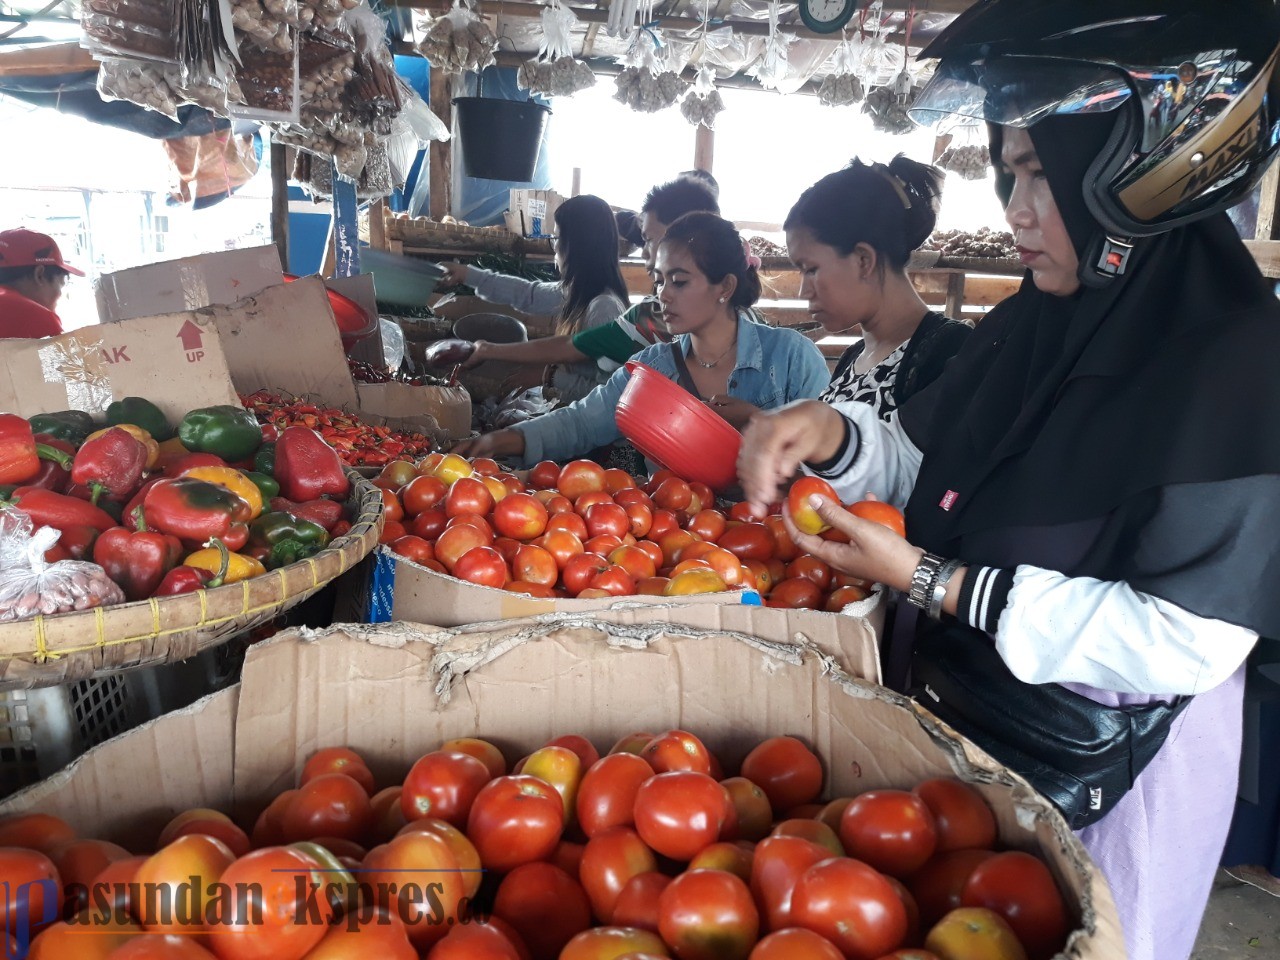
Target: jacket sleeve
x,y
877,457
577,429
527,296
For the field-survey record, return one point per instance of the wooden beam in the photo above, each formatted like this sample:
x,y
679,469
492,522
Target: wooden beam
x,y
704,149
441,152
281,161
46,61
378,224
1269,205
955,295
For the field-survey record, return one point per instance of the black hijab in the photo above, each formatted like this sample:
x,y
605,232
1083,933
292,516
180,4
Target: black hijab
x,y
1099,406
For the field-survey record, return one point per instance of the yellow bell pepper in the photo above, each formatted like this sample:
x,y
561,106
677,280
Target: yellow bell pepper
x,y
239,567
234,480
153,448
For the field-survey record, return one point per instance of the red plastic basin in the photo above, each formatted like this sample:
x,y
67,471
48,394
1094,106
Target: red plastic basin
x,y
353,322
672,427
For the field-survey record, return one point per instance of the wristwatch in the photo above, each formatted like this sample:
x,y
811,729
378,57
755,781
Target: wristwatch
x,y
929,583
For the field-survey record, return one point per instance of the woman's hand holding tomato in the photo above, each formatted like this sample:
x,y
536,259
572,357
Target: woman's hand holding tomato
x,y
874,552
776,443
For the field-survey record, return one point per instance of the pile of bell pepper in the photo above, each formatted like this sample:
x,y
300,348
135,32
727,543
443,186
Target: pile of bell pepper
x,y
359,444
171,508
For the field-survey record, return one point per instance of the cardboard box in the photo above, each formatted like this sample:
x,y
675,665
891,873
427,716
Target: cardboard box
x,y
539,210
449,407
176,361
395,588
171,286
397,692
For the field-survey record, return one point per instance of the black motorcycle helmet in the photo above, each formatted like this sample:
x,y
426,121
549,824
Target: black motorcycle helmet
x,y
1194,83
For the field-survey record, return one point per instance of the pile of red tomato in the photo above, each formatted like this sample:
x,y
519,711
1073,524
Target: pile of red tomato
x,y
584,531
649,851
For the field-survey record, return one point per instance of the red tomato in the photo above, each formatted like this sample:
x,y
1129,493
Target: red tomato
x,y
568,857
851,905
538,590
413,548
562,545
607,794
32,892
482,750
456,541
877,511
786,770
664,522
913,910
35,831
483,566
545,475
537,565
78,862
219,827
639,519
382,935
579,477
677,750
811,568
392,509
422,494
750,541
443,785
569,523
679,813
973,933
609,861
581,570
630,495
193,861
673,494
732,858
707,524
468,496
520,516
615,481
545,905
815,831
631,743
330,805
492,940
613,943
795,943
160,947
85,938
776,866
708,915
588,500
614,580
802,513
938,886
268,830
515,820
1020,888
274,919
797,593
892,830
429,524
507,548
964,820
786,550
637,903
417,877
637,562
112,885
751,805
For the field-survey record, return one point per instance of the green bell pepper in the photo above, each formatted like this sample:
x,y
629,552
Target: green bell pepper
x,y
264,461
286,539
266,485
73,426
141,413
231,433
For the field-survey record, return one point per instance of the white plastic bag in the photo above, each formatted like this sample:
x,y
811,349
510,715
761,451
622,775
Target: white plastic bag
x,y
29,585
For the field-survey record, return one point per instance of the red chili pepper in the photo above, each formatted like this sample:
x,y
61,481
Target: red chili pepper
x,y
111,463
137,560
20,454
308,468
57,510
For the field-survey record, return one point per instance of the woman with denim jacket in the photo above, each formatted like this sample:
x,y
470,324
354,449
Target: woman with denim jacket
x,y
706,284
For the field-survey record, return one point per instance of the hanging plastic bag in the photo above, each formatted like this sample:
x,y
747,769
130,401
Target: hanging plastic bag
x,y
138,83
771,70
703,102
29,585
645,85
392,343
842,86
459,42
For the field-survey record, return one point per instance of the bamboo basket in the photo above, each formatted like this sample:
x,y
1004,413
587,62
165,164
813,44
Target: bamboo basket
x,y
44,651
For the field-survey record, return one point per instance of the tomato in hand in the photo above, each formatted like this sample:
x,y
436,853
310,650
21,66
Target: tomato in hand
x,y
708,915
851,905
443,785
788,772
1020,888
679,813
801,511
545,906
964,820
892,830
885,514
609,861
607,794
515,820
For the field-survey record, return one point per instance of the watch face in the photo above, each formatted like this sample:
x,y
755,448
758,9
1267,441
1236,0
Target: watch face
x,y
826,11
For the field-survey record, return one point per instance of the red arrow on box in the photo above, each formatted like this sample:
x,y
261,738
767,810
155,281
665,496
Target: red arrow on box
x,y
192,337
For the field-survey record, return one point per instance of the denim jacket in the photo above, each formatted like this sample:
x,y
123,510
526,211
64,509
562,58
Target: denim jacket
x,y
774,366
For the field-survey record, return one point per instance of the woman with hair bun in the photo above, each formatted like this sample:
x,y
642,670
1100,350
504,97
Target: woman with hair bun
x,y
851,235
707,282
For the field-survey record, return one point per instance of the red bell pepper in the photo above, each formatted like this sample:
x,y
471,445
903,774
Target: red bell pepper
x,y
137,560
20,453
76,543
57,510
326,513
340,529
130,516
53,475
308,468
189,461
111,463
195,510
184,579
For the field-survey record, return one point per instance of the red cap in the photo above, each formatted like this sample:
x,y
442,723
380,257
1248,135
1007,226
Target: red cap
x,y
26,248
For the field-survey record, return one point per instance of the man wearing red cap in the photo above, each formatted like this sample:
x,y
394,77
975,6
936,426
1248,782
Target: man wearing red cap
x,y
32,274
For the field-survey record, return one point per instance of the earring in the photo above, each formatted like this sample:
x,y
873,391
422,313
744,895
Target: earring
x,y
722,299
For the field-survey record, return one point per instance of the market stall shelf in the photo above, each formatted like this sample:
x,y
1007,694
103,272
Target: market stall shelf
x,y
44,651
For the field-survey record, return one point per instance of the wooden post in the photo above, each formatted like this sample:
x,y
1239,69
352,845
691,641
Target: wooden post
x,y
280,201
955,295
577,182
1269,205
378,224
704,149
441,156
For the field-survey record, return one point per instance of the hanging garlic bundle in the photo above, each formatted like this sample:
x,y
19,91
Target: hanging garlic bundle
x,y
555,72
460,41
772,68
971,162
645,85
703,101
842,87
887,105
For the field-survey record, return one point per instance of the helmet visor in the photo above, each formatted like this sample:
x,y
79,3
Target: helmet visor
x,y
1018,91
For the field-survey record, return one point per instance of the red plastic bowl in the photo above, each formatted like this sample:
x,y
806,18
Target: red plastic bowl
x,y
674,428
353,323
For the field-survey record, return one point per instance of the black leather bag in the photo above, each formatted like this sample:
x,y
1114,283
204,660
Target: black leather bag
x,y
1081,755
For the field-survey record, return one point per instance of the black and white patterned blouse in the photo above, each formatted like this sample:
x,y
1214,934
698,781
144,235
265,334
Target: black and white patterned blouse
x,y
875,386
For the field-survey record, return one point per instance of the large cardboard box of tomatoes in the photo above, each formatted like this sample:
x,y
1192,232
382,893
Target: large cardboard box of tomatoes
x,y
397,692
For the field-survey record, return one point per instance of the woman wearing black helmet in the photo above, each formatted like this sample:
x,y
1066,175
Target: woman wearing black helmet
x,y
1093,485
